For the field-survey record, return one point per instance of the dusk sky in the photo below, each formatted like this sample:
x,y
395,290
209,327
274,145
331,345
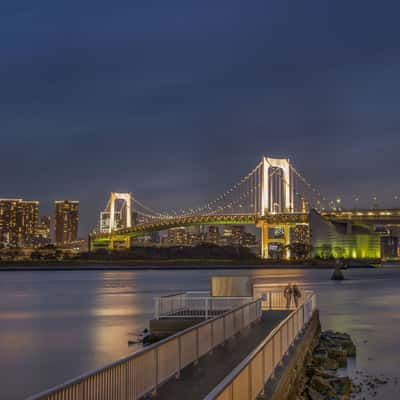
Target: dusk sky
x,y
175,100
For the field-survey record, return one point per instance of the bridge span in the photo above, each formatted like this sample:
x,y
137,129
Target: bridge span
x,y
273,196
365,216
283,222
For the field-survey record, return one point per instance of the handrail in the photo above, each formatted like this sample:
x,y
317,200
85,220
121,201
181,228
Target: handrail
x,y
160,367
229,380
172,295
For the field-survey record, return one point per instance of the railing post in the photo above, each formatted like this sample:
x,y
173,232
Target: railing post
x,y
224,329
155,371
157,307
270,300
263,371
273,355
212,338
250,381
126,380
178,375
206,308
293,335
197,347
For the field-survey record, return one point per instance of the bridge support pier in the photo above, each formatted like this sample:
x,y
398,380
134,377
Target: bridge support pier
x,y
266,240
119,243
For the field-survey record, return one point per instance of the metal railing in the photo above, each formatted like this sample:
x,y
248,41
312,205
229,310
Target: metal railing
x,y
136,375
274,297
191,305
202,305
248,379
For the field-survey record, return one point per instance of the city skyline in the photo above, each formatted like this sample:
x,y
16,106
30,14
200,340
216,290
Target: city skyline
x,y
174,105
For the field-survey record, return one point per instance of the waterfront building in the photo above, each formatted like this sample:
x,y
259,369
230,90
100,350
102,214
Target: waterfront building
x,y
236,235
213,234
18,220
43,231
300,234
66,221
342,240
389,246
177,237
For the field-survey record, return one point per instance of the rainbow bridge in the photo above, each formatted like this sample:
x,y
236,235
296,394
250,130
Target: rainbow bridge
x,y
273,196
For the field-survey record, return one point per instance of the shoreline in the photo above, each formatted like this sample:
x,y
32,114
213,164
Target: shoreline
x,y
143,265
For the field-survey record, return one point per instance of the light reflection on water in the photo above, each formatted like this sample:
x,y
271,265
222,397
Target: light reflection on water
x,y
56,325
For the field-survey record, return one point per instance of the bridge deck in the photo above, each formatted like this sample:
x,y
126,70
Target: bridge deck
x,y
197,381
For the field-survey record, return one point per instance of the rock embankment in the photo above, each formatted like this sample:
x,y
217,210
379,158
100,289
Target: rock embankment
x,y
320,380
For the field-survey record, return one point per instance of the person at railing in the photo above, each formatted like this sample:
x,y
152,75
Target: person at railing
x,y
296,295
287,293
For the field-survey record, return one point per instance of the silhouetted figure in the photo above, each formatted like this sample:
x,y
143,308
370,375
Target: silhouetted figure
x,y
287,293
337,273
296,295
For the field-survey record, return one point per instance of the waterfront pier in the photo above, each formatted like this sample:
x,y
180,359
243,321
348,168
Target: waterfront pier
x,y
231,354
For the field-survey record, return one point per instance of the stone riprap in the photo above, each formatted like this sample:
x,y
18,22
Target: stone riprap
x,y
320,380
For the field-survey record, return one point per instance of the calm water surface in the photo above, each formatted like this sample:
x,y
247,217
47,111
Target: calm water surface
x,y
56,325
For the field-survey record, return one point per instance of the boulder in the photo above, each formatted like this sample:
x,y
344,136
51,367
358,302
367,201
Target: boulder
x,y
342,385
335,339
313,394
311,370
331,364
339,355
319,356
322,386
350,348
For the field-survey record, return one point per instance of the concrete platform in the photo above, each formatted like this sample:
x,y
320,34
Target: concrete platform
x,y
169,326
197,381
177,322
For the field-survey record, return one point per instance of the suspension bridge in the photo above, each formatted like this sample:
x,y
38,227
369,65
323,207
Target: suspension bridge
x,y
273,196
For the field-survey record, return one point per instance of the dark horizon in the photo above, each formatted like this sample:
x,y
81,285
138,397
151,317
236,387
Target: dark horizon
x,y
175,103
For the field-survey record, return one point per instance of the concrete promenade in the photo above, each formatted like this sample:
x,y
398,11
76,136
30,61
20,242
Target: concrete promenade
x,y
196,381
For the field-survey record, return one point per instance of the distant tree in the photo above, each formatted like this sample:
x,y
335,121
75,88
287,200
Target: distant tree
x,y
326,251
35,255
299,251
59,255
338,252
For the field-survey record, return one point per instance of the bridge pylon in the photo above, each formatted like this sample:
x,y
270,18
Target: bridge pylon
x,y
112,218
277,195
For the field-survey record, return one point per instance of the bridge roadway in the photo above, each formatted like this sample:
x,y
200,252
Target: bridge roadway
x,y
197,380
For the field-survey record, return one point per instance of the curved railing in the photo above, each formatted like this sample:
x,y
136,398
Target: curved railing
x,y
248,379
141,373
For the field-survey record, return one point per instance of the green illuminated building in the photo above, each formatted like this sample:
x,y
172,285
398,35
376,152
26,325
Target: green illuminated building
x,y
343,240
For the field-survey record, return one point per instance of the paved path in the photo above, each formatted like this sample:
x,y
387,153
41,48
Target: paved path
x,y
197,381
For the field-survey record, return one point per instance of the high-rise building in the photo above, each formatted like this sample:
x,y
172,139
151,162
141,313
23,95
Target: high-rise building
x,y
236,235
43,231
18,219
177,237
66,220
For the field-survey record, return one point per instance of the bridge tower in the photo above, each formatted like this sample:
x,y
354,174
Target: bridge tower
x,y
127,198
276,196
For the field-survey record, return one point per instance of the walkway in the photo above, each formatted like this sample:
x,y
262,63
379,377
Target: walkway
x,y
197,381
